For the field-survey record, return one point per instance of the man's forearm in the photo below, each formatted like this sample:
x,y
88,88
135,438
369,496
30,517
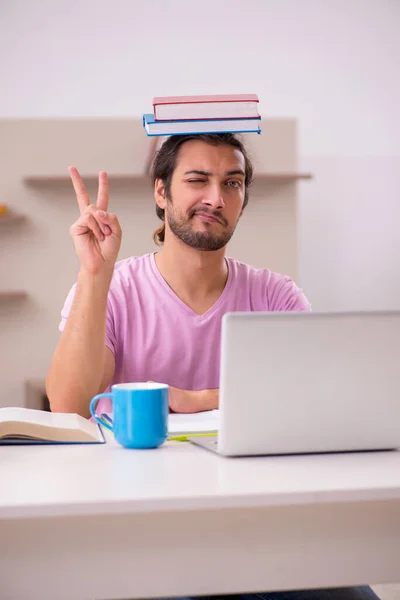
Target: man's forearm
x,y
209,399
77,367
191,401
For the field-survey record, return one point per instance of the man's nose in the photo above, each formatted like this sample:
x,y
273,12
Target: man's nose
x,y
213,197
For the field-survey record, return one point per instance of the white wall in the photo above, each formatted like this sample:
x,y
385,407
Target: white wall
x,y
330,63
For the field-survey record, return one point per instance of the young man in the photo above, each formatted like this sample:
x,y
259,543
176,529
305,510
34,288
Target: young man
x,y
158,317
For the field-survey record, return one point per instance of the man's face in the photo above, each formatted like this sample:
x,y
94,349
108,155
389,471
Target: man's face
x,y
207,195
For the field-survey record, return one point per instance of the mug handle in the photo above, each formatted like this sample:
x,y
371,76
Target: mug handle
x,y
103,422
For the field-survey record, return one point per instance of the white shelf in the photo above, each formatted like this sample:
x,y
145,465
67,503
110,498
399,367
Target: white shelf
x,y
282,177
43,179
12,295
11,218
39,179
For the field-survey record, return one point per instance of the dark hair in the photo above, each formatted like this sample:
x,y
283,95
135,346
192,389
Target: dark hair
x,y
166,158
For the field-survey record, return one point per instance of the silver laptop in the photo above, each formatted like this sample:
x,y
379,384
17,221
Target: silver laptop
x,y
296,382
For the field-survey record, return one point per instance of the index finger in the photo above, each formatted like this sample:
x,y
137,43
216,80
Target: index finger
x,y
102,195
80,190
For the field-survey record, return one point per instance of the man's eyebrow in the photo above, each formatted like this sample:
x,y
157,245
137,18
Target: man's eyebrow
x,y
209,173
197,172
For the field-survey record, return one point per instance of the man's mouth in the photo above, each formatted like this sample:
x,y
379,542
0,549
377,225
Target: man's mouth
x,y
206,217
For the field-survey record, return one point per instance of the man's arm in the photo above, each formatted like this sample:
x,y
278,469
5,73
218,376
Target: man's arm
x,y
285,296
188,401
82,365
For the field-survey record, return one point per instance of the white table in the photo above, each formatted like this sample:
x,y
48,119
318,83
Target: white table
x,y
104,522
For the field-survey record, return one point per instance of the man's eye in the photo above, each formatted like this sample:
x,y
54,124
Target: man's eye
x,y
234,183
196,180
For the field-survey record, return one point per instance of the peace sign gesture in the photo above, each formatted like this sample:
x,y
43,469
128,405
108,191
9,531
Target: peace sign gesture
x,y
96,234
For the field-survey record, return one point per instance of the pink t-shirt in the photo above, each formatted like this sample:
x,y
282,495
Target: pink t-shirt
x,y
155,336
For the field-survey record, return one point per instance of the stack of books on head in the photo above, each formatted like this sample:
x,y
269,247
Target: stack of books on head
x,y
182,115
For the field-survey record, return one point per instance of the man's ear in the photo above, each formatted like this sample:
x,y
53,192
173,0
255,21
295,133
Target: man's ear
x,y
159,193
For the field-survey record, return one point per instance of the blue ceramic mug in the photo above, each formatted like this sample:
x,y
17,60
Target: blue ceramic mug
x,y
140,413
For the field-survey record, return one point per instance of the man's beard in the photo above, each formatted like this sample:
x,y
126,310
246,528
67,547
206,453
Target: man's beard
x,y
200,240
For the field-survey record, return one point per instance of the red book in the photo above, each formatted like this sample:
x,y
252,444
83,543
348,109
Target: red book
x,y
219,106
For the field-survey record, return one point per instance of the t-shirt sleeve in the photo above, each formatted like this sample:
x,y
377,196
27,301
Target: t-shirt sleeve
x,y
285,295
110,340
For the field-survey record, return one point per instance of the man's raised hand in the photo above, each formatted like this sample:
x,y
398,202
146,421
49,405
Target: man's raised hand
x,y
96,234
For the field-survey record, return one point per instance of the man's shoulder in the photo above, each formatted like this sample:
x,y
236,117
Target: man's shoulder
x,y
243,271
132,266
273,290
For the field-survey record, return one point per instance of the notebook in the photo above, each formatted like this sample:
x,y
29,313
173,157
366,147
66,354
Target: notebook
x,y
180,424
30,426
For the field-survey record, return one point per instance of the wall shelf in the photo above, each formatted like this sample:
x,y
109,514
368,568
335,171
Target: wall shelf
x,y
89,178
11,295
128,178
11,218
282,177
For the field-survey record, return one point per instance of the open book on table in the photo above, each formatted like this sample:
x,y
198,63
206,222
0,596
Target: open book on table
x,y
30,426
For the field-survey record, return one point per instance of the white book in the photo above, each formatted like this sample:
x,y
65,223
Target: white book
x,y
202,422
29,426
